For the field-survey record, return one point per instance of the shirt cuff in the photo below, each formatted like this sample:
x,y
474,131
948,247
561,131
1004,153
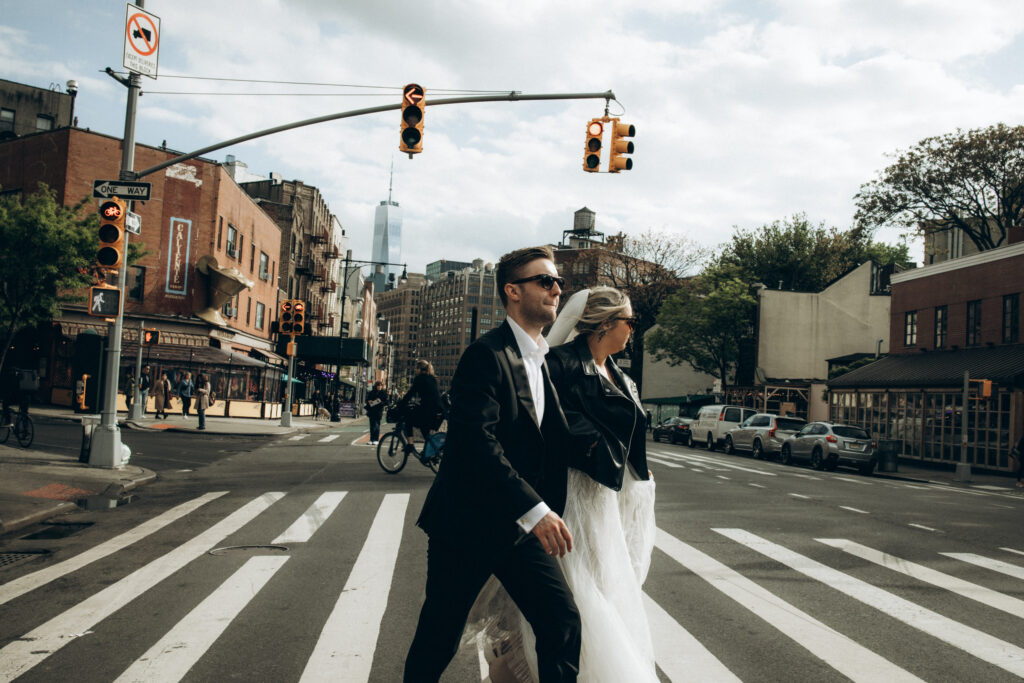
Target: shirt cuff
x,y
532,516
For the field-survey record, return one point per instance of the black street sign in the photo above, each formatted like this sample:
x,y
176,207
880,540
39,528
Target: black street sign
x,y
104,302
125,189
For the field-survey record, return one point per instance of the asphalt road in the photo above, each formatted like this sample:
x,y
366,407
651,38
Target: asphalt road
x,y
761,572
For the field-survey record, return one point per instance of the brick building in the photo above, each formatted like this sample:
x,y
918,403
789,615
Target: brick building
x,y
25,109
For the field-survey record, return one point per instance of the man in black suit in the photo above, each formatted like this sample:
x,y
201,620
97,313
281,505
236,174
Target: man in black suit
x,y
495,505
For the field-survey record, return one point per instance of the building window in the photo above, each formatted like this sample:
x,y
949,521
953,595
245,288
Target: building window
x,y
6,120
941,322
260,310
232,245
248,310
910,328
252,257
973,323
230,309
136,283
44,122
1011,318
220,231
264,266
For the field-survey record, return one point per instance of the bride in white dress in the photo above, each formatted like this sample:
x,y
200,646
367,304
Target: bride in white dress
x,y
609,508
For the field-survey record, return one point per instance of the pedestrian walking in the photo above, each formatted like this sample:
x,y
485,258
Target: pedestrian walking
x,y
376,400
129,391
161,395
203,399
185,390
145,384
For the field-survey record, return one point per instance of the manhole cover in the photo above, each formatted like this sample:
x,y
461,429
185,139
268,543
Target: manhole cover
x,y
7,559
249,550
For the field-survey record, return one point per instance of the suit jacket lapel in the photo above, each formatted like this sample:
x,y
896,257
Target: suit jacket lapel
x,y
519,376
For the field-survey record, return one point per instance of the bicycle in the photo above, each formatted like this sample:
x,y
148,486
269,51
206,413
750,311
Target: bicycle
x,y
22,427
394,448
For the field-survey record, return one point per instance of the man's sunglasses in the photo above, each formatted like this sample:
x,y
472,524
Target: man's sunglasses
x,y
546,281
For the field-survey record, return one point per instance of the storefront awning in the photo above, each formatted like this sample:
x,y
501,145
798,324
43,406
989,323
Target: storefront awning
x,y
73,329
1001,364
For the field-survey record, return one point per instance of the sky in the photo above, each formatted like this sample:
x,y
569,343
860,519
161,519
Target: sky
x,y
746,111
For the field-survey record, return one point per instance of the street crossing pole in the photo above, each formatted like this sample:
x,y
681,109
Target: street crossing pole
x,y
106,447
963,468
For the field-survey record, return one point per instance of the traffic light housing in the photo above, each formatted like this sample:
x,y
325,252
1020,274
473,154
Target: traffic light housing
x,y
150,337
284,317
592,149
619,146
298,317
110,253
413,104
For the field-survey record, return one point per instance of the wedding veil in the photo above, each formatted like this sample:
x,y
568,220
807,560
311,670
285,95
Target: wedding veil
x,y
564,328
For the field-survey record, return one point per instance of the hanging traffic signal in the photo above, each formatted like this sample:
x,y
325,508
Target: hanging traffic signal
x,y
284,317
298,317
111,234
150,337
592,150
412,119
620,146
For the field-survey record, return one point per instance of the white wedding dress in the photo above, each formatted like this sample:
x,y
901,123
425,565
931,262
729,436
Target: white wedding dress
x,y
613,536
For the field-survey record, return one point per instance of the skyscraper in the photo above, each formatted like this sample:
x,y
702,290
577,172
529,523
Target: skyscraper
x,y
387,239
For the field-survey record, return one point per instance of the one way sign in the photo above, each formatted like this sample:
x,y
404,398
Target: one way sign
x,y
125,189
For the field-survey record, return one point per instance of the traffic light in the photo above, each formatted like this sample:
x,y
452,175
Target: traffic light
x,y
620,146
111,234
284,317
412,119
104,301
298,317
150,337
592,150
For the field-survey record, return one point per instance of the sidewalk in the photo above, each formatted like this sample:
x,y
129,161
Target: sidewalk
x,y
35,485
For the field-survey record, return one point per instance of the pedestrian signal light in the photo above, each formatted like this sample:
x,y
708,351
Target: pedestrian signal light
x,y
592,150
104,301
284,318
111,248
298,317
413,103
150,337
619,146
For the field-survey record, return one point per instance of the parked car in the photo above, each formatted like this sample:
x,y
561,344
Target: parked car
x,y
714,422
673,430
825,446
763,434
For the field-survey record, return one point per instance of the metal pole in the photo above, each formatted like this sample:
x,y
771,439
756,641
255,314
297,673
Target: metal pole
x,y
509,97
341,325
286,414
963,468
138,411
106,450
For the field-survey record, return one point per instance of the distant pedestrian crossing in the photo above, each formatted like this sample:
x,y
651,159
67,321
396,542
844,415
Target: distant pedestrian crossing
x,y
724,603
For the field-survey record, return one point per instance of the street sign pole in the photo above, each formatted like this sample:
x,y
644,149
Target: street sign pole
x,y
107,449
286,414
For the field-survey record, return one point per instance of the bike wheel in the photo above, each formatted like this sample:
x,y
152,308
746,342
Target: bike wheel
x,y
391,455
24,431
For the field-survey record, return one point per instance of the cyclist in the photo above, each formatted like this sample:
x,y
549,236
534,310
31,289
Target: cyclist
x,y
421,405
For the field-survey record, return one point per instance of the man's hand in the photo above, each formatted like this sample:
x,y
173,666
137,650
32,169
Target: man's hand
x,y
553,535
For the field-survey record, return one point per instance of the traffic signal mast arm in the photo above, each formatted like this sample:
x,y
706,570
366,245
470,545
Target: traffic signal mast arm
x,y
510,97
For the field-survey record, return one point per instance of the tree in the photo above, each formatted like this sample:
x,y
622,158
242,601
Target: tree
x,y
971,180
648,268
47,249
706,323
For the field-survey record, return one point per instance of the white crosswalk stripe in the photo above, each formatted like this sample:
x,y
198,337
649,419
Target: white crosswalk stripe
x,y
328,439
298,437
349,634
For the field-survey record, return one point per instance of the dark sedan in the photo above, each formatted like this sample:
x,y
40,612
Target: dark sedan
x,y
673,430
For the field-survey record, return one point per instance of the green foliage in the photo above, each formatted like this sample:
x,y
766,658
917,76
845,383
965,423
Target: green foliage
x,y
803,257
705,323
46,250
972,180
843,369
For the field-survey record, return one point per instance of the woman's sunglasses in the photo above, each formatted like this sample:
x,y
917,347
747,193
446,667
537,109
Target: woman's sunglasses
x,y
546,281
631,321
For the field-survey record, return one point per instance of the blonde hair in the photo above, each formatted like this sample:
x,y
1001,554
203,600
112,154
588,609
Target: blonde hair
x,y
425,366
603,304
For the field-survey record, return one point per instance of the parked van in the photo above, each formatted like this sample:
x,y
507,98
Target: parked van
x,y
714,422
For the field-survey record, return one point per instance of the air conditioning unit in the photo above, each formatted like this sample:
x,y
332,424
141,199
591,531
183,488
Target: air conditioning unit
x,y
230,312
233,252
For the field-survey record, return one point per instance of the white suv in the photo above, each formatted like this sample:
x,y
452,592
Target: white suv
x,y
714,422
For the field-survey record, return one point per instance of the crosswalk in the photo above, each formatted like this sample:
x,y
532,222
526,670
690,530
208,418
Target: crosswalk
x,y
725,603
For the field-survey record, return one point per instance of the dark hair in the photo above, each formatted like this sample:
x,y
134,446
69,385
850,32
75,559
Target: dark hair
x,y
511,265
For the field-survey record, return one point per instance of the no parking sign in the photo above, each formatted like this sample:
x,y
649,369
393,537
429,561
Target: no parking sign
x,y
141,41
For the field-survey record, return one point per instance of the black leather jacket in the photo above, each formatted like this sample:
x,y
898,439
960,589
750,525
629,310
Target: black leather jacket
x,y
607,426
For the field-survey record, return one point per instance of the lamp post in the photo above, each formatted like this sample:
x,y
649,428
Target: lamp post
x,y
349,261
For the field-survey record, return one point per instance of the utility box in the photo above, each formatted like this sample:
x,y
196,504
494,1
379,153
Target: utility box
x,y
888,455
